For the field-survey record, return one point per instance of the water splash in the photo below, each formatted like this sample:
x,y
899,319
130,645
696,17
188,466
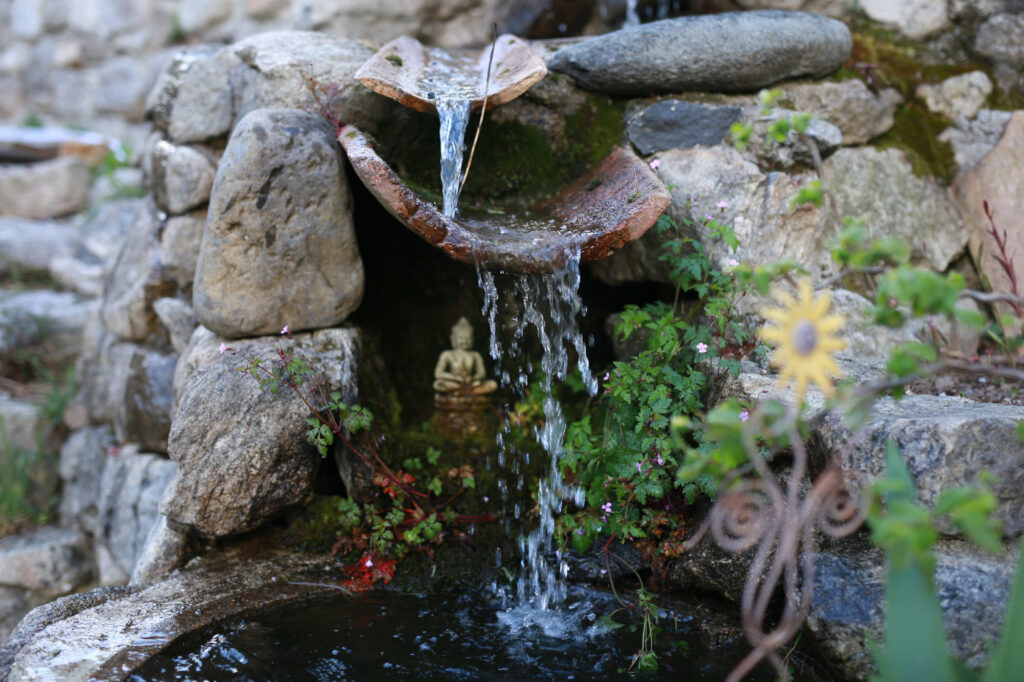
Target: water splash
x,y
661,9
632,18
454,115
550,303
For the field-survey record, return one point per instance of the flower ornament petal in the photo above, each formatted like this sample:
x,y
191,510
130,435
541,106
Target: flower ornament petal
x,y
803,335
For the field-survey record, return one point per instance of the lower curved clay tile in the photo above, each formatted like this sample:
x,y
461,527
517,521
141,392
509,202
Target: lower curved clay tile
x,y
614,203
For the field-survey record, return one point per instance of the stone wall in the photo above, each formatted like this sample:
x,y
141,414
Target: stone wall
x,y
90,63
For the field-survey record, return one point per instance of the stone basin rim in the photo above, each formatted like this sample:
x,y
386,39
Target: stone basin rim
x,y
614,203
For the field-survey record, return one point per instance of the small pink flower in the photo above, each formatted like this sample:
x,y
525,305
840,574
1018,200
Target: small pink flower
x,y
284,330
655,164
660,460
486,499
722,204
606,507
369,564
579,531
702,348
606,376
708,218
639,468
744,415
732,263
223,347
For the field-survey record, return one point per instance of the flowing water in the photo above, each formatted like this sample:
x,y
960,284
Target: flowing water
x,y
662,9
551,305
632,18
454,115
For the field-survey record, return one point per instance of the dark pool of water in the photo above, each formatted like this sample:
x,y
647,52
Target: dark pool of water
x,y
470,636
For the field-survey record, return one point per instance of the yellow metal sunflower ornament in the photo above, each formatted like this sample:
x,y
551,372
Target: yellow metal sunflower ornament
x,y
803,337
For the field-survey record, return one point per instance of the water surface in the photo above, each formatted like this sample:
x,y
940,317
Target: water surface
x,y
469,636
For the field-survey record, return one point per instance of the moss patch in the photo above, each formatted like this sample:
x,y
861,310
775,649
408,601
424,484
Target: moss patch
x,y
883,60
915,131
515,163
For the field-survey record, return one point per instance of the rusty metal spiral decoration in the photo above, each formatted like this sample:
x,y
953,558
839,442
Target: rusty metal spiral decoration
x,y
782,524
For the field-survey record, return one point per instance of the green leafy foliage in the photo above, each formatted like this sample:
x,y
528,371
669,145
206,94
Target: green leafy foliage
x,y
810,193
853,250
922,291
624,453
915,640
412,510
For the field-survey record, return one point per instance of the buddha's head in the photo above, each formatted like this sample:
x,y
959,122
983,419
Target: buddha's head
x,y
462,334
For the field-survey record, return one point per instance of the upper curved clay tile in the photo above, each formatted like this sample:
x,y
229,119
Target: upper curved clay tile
x,y
415,75
608,207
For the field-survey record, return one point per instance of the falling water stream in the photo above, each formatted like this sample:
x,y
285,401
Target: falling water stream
x,y
551,305
454,115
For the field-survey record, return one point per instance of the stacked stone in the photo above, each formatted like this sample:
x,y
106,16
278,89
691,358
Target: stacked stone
x,y
247,230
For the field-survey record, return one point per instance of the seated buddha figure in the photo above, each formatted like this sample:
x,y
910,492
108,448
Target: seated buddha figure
x,y
461,369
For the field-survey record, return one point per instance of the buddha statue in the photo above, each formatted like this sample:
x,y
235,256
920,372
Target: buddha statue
x,y
460,371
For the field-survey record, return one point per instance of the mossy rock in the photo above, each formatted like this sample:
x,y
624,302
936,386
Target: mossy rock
x,y
882,59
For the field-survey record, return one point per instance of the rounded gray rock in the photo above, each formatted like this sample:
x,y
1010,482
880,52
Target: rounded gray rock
x,y
730,52
279,247
241,451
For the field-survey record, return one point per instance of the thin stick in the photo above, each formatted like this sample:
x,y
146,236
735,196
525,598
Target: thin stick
x,y
483,109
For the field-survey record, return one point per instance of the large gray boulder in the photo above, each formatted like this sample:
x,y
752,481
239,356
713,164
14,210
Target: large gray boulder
x,y
881,187
946,442
731,52
279,247
847,608
241,451
717,182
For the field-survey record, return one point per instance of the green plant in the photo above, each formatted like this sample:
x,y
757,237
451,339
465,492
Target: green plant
x,y
915,641
413,509
622,453
32,120
646,658
112,162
